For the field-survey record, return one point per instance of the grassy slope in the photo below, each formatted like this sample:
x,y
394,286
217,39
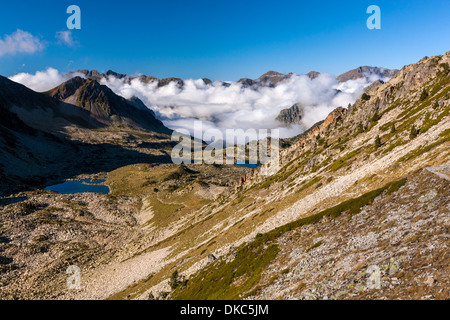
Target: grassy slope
x,y
341,150
235,279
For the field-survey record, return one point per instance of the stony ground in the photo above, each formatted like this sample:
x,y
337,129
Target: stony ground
x,y
111,238
396,248
43,233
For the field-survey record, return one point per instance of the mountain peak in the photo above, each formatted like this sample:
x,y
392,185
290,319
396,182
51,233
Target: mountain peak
x,y
291,116
273,77
363,71
67,88
313,74
104,106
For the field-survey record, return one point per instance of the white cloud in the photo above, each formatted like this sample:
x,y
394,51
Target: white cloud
x,y
222,107
66,38
20,42
43,80
238,107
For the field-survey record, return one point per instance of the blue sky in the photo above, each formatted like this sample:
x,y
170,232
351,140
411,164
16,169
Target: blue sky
x,y
224,40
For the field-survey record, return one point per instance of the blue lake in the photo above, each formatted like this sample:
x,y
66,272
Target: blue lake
x,y
248,165
80,186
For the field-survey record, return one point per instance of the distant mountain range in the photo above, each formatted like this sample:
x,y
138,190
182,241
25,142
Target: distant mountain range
x,y
268,79
41,131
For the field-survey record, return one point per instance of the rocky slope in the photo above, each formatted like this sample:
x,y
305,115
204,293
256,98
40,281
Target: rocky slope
x,y
365,160
363,192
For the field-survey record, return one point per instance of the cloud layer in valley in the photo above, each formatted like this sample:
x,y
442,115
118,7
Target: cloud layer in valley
x,y
235,106
231,106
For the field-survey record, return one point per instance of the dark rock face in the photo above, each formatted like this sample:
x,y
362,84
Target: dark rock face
x,y
374,86
247,82
105,107
165,82
5,260
291,116
15,94
67,89
136,102
207,81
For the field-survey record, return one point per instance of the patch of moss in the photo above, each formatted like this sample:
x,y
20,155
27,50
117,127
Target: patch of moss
x,y
445,137
309,184
314,246
430,122
229,280
342,161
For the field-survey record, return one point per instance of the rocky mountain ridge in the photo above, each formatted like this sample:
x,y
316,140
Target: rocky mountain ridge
x,y
105,107
268,79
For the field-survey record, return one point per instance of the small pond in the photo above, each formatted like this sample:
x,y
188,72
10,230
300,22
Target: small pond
x,y
80,186
248,165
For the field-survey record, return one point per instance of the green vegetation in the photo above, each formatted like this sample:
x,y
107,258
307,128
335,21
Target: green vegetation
x,y
393,130
444,137
342,161
352,206
240,277
360,128
284,272
436,105
413,133
177,174
279,177
430,122
314,246
175,281
394,145
365,97
229,280
377,142
310,183
445,69
375,117
423,95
